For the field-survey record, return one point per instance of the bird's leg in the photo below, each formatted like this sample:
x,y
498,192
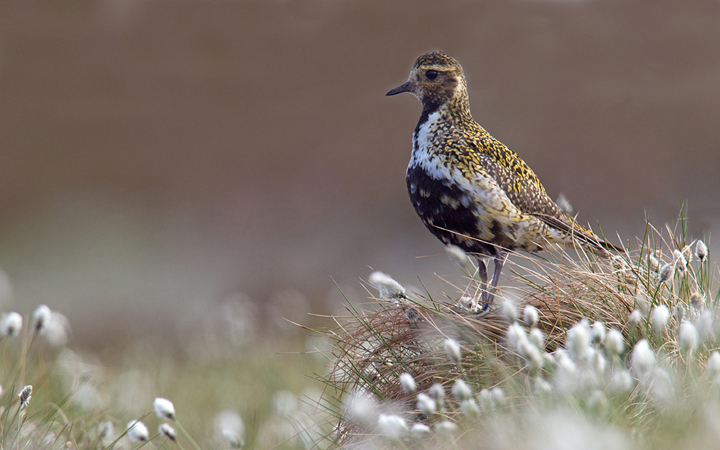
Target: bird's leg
x,y
482,273
489,295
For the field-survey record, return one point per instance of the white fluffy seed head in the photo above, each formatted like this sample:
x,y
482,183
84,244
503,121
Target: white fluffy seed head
x,y
164,408
530,316
666,272
461,390
437,392
537,338
40,318
392,426
508,310
168,431
598,332
388,288
470,408
137,431
420,431
701,250
659,319
229,427
426,404
688,337
653,263
11,325
642,359
712,369
578,340
25,395
407,382
697,300
680,260
533,356
361,408
704,325
446,428
498,396
458,256
621,382
614,342
679,312
486,401
635,319
452,348
515,337
106,430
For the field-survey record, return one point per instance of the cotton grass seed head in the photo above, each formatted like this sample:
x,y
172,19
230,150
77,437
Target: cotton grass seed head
x,y
679,312
564,204
704,325
106,430
653,263
437,392
361,408
498,396
388,288
508,310
452,348
533,356
458,256
642,359
697,300
25,395
515,336
461,390
530,316
426,404
11,325
712,368
597,333
164,408
666,272
392,426
659,318
688,337
614,342
621,382
167,430
635,319
137,431
537,338
701,250
407,382
680,260
420,431
578,340
40,318
470,409
229,427
446,428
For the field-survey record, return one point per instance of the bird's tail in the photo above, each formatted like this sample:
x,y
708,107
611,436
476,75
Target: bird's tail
x,y
580,234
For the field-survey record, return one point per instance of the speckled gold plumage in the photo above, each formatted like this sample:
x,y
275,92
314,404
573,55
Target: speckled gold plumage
x,y
468,188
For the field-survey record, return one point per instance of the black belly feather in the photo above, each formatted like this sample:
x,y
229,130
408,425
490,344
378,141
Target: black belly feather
x,y
449,221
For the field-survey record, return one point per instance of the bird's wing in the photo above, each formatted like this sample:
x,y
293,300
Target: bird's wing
x,y
525,191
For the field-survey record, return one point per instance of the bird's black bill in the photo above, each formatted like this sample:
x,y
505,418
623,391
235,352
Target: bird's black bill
x,y
405,87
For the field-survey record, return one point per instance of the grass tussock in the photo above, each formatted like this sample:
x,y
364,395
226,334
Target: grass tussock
x,y
623,347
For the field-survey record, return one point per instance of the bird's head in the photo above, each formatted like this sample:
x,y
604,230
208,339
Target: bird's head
x,y
435,79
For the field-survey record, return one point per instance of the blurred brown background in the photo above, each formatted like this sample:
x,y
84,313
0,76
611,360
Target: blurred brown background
x,y
160,156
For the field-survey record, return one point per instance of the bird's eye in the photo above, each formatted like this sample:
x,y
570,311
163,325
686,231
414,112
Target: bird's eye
x,y
431,74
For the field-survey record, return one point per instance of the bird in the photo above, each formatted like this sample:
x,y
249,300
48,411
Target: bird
x,y
469,189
